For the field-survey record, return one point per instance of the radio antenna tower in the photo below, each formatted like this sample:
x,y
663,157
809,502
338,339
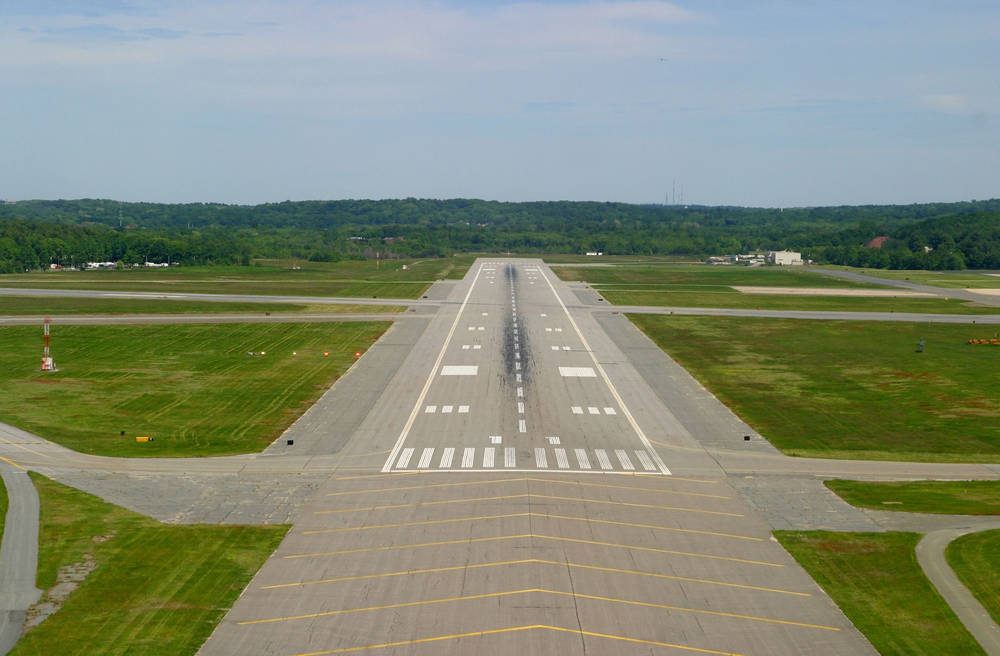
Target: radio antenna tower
x,y
47,363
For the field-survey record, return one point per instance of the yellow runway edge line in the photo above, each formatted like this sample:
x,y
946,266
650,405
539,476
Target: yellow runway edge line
x,y
574,595
478,634
536,561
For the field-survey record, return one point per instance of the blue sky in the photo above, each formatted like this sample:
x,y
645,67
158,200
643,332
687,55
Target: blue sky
x,y
741,103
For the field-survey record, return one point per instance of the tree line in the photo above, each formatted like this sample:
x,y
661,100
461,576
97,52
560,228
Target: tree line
x,y
34,234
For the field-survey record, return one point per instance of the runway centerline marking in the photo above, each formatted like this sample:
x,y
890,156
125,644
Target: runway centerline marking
x,y
387,467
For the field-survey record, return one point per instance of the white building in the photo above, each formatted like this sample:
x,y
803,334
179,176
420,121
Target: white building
x,y
784,257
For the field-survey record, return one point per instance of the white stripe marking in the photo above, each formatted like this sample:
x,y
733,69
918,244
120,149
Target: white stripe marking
x,y
577,372
431,409
647,462
540,460
521,427
467,457
446,457
404,458
610,411
520,392
552,439
624,459
581,456
463,409
509,459
476,347
561,460
602,458
446,409
555,348
548,330
518,377
558,330
577,410
488,457
465,347
481,328
566,348
425,458
592,410
460,370
496,439
520,407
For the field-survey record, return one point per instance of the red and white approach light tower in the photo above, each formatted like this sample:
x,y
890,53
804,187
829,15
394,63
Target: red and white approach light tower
x,y
47,363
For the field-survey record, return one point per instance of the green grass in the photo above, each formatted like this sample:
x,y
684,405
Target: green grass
x,y
156,589
704,285
956,279
3,506
52,305
947,497
976,560
702,277
847,389
564,258
361,279
877,582
193,388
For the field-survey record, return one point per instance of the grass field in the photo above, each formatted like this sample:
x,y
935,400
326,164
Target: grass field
x,y
877,582
361,279
154,588
947,497
193,388
976,560
50,305
703,285
847,389
953,279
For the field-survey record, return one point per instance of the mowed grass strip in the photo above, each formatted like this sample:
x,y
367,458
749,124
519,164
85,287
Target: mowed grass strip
x,y
876,580
54,305
847,389
360,279
944,497
708,286
976,560
193,388
154,588
952,279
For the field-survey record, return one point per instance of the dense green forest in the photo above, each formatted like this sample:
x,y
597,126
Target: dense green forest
x,y
35,233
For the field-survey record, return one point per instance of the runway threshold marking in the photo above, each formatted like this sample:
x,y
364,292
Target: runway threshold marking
x,y
521,479
535,561
430,378
555,538
560,593
514,629
528,495
607,380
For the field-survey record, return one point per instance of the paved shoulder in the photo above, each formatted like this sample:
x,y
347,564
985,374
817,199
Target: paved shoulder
x,y
18,555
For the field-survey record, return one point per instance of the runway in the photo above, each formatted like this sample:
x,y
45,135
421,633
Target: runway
x,y
505,495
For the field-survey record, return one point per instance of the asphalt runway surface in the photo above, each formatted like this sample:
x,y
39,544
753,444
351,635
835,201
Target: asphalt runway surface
x,y
504,496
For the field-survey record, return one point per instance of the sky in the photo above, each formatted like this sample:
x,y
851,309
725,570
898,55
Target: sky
x,y
716,102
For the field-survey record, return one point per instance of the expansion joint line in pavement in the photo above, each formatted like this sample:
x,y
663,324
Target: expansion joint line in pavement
x,y
535,561
514,629
607,380
576,596
531,479
430,379
528,495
